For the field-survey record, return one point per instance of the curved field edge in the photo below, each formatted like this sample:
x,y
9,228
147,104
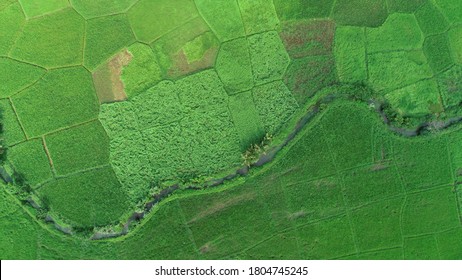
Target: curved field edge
x,y
181,227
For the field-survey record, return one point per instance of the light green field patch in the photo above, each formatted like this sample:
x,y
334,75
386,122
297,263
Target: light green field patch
x,y
416,99
17,75
6,3
30,160
178,51
223,16
11,22
64,97
455,42
142,72
152,19
88,199
430,19
158,106
269,57
196,49
399,32
105,36
452,9
246,119
302,9
92,8
12,131
78,148
350,54
34,8
258,16
392,70
57,40
234,66
275,105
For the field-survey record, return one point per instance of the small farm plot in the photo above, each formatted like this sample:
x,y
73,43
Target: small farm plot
x,y
87,199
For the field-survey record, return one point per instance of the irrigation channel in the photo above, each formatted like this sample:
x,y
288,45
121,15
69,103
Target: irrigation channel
x,y
265,158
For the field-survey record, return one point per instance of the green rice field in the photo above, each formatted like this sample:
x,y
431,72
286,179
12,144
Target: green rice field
x,y
231,129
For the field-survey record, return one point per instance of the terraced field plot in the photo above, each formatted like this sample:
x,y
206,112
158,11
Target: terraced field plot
x,y
231,129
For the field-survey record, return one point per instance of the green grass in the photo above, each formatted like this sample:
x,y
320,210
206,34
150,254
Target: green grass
x,y
420,208
430,19
319,241
308,37
223,16
17,76
186,49
450,85
414,159
415,100
377,225
437,50
306,76
450,244
30,160
308,201
269,57
371,13
105,36
372,183
421,248
408,6
296,9
252,219
349,149
258,16
350,54
152,19
246,119
398,32
234,66
150,142
91,8
451,9
12,131
34,8
142,72
57,39
275,105
204,80
389,71
64,97
455,42
93,198
11,22
78,148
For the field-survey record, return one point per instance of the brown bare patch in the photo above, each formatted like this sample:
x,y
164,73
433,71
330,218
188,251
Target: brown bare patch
x,y
379,166
206,248
296,215
219,206
182,67
308,37
107,78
